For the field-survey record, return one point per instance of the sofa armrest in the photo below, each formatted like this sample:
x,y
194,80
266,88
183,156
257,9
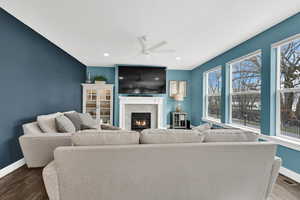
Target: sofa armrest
x,y
50,178
38,148
274,174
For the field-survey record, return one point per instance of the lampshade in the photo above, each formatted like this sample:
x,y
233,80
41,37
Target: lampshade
x,y
178,97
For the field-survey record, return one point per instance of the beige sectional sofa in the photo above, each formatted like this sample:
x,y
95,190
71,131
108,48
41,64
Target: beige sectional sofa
x,y
204,163
38,146
189,171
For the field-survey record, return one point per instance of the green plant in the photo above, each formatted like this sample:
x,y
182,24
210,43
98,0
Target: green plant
x,y
100,78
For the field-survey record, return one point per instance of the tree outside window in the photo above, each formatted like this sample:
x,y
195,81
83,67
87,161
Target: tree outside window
x,y
245,91
289,88
213,87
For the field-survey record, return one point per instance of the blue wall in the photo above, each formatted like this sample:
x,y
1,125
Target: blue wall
x,y
36,77
263,41
187,104
110,74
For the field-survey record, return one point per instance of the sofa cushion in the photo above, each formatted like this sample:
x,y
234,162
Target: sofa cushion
x,y
47,122
75,119
109,127
202,127
105,138
64,125
87,122
166,136
229,135
99,131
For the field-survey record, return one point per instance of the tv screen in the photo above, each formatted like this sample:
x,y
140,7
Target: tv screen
x,y
142,80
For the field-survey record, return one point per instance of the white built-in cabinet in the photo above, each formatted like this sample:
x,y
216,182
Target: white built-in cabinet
x,y
98,101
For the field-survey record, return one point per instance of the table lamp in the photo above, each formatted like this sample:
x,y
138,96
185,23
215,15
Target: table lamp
x,y
178,98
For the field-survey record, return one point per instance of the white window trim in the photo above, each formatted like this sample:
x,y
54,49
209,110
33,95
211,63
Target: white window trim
x,y
254,53
277,47
205,96
285,41
231,93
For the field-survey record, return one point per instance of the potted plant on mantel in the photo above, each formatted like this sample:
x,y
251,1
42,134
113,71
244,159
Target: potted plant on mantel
x,y
100,80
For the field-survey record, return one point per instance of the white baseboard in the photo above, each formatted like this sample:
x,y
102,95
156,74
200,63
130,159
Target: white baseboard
x,y
12,167
290,174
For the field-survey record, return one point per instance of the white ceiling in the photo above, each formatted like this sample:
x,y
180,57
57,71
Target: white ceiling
x,y
198,29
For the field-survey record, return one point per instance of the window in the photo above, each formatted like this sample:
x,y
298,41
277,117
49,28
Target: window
x,y
288,87
245,83
212,88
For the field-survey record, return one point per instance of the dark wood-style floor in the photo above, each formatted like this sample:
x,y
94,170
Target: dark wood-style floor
x,y
27,184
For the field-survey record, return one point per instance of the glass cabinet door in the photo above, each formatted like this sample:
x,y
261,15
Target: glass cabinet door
x,y
91,102
105,105
98,102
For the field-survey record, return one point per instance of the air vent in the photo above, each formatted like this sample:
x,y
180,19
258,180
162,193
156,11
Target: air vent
x,y
289,182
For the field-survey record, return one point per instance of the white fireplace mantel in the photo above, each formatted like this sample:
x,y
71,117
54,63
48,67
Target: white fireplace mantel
x,y
159,101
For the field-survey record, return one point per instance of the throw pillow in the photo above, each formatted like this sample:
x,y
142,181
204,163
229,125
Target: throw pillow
x,y
105,138
87,127
75,119
64,125
47,122
87,122
202,127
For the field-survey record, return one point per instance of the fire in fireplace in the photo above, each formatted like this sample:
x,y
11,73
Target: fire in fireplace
x,y
140,121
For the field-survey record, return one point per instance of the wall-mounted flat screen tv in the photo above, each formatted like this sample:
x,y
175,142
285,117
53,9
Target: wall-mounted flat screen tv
x,y
142,80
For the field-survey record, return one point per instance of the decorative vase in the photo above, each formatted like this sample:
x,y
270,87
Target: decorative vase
x,y
88,78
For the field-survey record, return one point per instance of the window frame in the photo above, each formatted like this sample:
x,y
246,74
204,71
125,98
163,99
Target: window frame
x,y
277,48
206,95
231,93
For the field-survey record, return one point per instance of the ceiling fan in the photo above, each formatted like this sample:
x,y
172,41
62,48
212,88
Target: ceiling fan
x,y
148,50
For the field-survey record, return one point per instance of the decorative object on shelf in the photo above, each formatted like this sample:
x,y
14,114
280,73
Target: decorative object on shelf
x,y
179,120
100,79
182,88
88,78
177,87
98,101
173,89
178,98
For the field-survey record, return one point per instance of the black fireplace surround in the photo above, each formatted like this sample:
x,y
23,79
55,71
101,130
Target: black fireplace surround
x,y
140,121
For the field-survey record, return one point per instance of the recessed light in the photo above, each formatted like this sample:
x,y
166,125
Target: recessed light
x,y
178,58
106,54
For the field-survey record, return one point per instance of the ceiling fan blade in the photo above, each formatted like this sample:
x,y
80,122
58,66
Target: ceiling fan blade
x,y
164,51
157,46
142,42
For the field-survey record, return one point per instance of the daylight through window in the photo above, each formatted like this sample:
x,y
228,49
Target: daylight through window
x,y
213,82
288,88
245,100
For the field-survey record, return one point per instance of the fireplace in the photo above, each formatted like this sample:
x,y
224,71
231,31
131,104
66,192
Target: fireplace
x,y
140,121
